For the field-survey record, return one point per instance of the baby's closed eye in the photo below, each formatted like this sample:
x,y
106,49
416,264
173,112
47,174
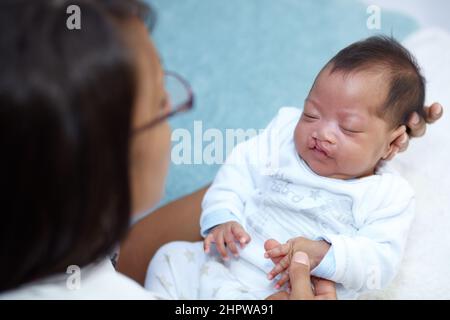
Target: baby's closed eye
x,y
350,130
310,116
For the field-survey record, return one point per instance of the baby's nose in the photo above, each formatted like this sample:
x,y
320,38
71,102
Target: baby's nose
x,y
325,135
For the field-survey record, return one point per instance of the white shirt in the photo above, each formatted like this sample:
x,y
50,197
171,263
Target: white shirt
x,y
97,281
271,191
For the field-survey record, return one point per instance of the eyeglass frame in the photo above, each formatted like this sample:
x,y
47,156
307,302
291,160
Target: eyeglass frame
x,y
182,107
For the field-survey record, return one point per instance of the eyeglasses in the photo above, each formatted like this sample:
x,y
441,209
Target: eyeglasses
x,y
180,99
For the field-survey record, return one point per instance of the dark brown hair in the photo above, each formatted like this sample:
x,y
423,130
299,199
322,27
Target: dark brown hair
x,y
66,98
406,92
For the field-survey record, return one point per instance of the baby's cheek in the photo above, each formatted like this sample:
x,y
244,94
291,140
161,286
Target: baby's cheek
x,y
349,155
299,137
357,158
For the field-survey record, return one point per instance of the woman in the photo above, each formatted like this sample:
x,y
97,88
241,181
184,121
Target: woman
x,y
85,142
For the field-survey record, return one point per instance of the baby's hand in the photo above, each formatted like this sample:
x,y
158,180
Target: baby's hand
x,y
225,235
282,254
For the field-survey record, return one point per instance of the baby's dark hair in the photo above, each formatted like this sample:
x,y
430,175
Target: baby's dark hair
x,y
406,88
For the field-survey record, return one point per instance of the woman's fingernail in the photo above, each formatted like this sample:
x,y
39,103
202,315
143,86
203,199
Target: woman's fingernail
x,y
415,118
301,257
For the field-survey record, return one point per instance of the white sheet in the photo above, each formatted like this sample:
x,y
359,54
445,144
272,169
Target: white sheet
x,y
426,264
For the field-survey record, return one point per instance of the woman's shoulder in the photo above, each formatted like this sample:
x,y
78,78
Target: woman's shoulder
x,y
97,281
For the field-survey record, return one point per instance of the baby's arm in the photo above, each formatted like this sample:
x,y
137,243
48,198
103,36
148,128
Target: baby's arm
x,y
225,199
370,259
222,218
366,261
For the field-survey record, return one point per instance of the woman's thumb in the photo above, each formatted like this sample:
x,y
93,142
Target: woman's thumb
x,y
299,274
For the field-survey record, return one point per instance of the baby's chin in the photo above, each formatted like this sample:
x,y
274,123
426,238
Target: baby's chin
x,y
328,171
317,163
322,166
318,168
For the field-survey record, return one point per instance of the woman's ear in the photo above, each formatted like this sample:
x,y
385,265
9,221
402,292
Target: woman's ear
x,y
394,136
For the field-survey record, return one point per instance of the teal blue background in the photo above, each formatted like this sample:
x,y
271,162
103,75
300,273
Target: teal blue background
x,y
247,58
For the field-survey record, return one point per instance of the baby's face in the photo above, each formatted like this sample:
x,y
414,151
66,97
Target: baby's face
x,y
339,134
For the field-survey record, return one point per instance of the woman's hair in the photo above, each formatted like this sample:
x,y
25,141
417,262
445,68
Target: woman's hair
x,y
66,98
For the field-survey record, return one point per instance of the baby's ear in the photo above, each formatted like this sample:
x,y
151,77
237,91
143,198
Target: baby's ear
x,y
395,141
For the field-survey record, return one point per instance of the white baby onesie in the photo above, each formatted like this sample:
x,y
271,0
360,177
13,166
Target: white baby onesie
x,y
266,187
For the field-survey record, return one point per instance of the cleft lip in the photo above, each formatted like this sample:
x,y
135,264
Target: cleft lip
x,y
321,148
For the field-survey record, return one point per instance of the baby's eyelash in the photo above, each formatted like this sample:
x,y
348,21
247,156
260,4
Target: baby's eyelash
x,y
350,131
310,116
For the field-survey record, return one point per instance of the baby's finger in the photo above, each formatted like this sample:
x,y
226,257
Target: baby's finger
x,y
279,267
220,245
282,281
230,241
281,250
207,242
240,234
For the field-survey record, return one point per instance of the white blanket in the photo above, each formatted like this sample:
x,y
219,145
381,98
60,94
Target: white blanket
x,y
424,271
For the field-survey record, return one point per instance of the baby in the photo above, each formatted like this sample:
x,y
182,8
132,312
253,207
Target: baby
x,y
314,180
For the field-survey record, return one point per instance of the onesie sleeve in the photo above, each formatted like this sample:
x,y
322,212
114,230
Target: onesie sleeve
x,y
370,259
215,218
326,267
238,178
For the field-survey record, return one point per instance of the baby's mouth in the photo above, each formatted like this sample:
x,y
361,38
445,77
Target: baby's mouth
x,y
318,148
320,151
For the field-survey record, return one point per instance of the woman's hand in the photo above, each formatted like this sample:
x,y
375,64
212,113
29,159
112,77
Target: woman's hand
x,y
417,126
224,236
305,287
